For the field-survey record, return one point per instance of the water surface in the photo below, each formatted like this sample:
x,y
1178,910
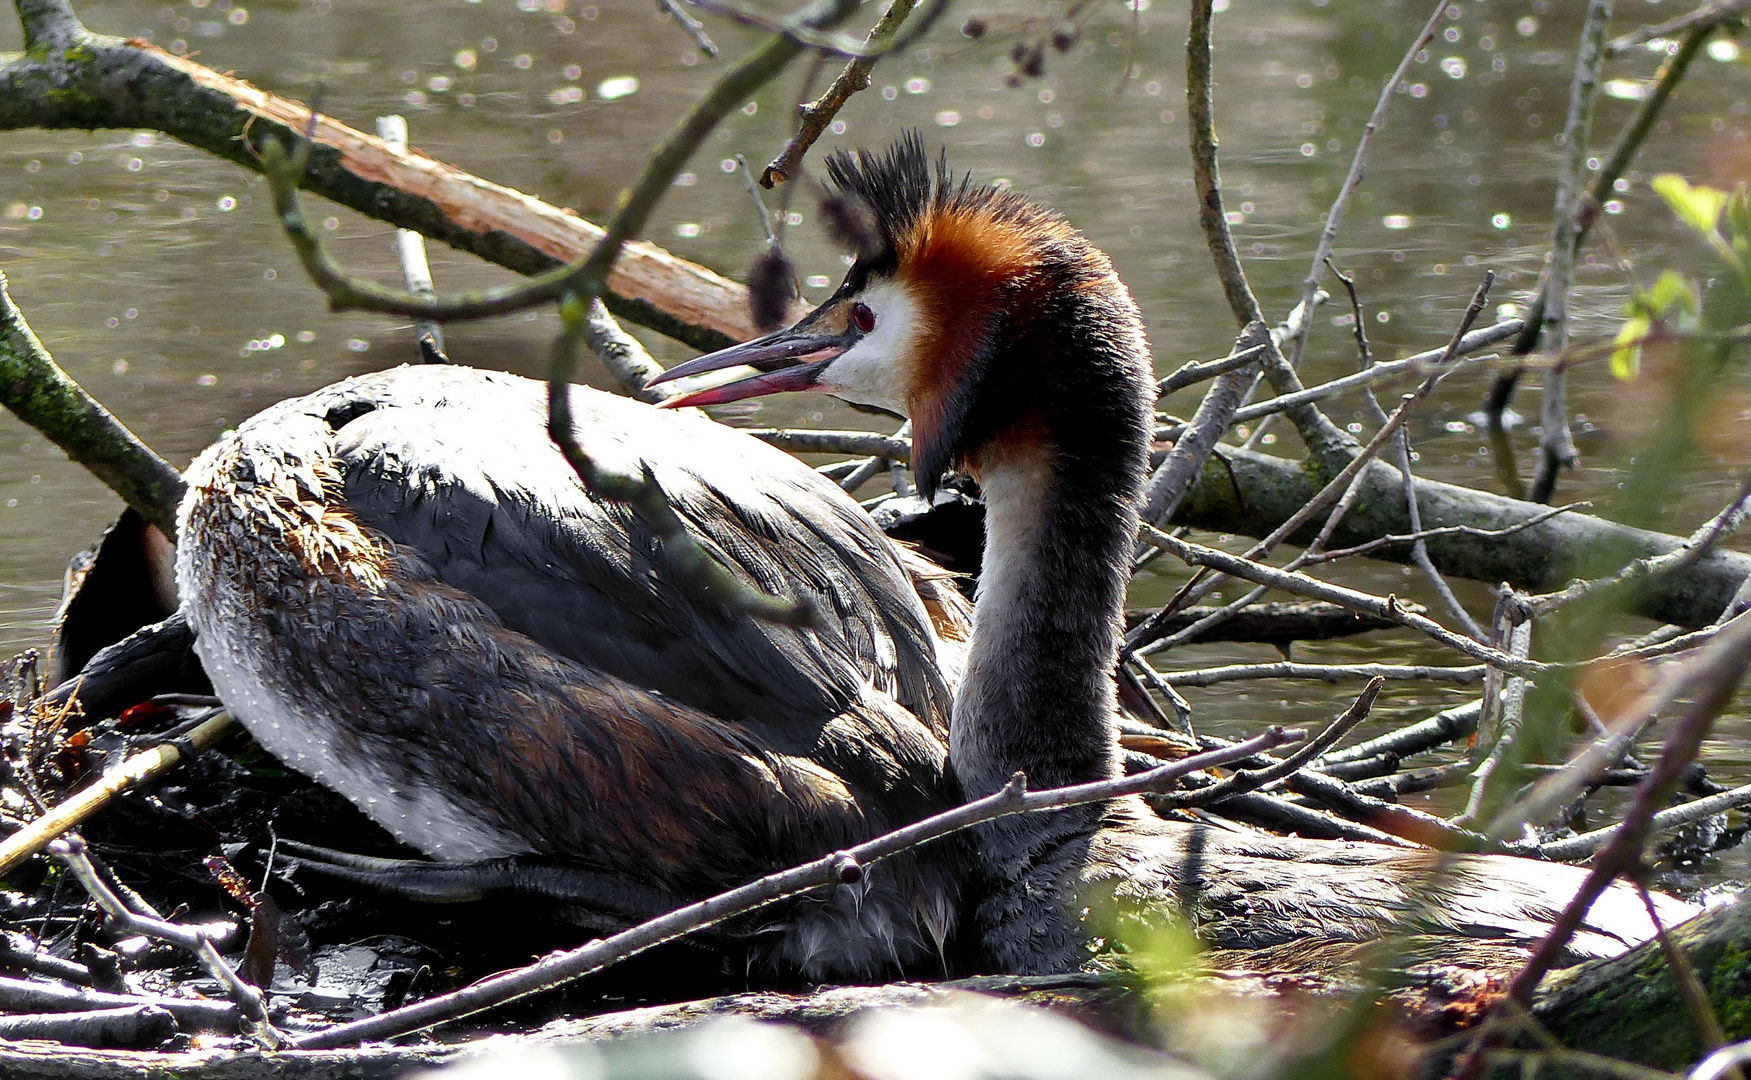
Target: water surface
x,y
158,278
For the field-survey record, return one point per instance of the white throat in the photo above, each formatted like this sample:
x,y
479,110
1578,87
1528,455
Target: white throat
x,y
1016,505
876,371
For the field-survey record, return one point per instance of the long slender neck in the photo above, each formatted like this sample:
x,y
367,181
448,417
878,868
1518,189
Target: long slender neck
x,y
1061,491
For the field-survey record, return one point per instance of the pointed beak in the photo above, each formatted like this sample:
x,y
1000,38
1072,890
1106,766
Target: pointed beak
x,y
788,359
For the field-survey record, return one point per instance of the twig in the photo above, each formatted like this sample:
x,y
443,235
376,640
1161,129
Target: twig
x,y
862,443
1706,17
1584,844
1358,162
1381,786
694,28
1381,607
1331,673
1499,742
132,1026
842,867
1555,443
1445,530
623,356
1279,814
70,850
759,203
1182,709
34,387
1402,821
817,114
1212,218
14,958
1196,372
1444,727
142,766
1402,448
1695,546
410,247
21,995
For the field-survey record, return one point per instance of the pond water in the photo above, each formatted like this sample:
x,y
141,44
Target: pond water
x,y
158,278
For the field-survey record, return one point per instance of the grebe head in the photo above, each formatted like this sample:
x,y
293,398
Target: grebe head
x,y
948,278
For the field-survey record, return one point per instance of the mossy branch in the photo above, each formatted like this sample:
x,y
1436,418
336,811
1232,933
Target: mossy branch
x,y
46,397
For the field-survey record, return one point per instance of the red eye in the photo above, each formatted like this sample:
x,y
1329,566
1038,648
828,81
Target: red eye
x,y
863,318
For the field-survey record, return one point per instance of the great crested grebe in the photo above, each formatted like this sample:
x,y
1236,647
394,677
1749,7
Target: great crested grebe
x,y
402,590
1017,352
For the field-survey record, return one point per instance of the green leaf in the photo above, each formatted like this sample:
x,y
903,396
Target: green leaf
x,y
1672,289
1626,358
1698,207
1739,213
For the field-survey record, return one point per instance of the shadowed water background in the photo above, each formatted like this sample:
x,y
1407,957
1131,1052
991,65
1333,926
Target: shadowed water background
x,y
158,277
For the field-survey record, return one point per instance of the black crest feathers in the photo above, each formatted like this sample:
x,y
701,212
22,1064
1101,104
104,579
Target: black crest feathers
x,y
895,189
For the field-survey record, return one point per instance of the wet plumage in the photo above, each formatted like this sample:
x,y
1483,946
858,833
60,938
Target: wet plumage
x,y
402,589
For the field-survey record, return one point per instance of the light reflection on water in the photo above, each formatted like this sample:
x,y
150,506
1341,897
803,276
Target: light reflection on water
x,y
157,277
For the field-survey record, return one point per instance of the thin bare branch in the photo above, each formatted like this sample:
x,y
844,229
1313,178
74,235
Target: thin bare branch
x,y
836,868
817,114
1301,585
70,851
1331,673
1358,162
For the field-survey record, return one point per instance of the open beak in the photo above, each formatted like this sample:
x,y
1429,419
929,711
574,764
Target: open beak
x,y
788,359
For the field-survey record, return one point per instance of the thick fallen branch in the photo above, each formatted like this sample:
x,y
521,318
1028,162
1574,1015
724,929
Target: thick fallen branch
x,y
136,1025
1251,494
87,801
72,78
193,1014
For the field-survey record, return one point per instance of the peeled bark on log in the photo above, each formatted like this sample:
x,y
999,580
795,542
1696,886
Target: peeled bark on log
x,y
1630,1007
1250,493
69,77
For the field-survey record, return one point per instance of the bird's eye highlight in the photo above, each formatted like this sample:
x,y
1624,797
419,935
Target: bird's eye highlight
x,y
863,318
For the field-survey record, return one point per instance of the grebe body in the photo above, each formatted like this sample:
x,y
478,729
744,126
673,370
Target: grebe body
x,y
402,590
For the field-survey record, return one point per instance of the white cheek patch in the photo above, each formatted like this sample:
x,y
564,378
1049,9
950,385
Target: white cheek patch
x,y
875,370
